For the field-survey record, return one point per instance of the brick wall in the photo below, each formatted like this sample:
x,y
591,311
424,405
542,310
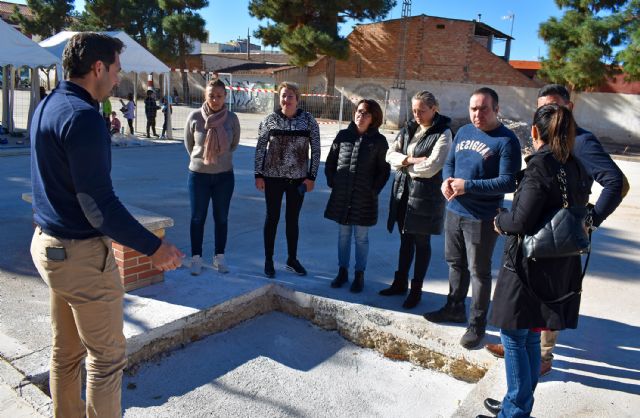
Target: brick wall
x,y
438,49
135,268
487,68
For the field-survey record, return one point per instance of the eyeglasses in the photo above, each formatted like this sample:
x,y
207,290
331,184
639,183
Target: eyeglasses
x,y
362,112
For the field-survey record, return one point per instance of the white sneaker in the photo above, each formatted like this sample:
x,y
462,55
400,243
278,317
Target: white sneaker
x,y
196,265
219,265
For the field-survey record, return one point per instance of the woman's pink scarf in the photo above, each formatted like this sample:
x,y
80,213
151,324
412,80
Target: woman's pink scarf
x,y
216,142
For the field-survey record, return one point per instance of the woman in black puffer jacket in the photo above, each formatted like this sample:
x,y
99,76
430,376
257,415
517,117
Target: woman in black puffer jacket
x,y
356,172
417,206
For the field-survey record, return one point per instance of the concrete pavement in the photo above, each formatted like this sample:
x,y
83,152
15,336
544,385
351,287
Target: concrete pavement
x,y
596,367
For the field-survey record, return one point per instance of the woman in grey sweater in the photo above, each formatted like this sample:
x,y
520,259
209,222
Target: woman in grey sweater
x,y
212,134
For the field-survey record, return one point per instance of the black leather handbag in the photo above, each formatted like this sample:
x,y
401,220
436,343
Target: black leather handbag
x,y
564,234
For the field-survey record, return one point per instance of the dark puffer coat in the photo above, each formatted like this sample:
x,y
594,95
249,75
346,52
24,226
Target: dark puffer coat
x,y
537,198
424,201
356,172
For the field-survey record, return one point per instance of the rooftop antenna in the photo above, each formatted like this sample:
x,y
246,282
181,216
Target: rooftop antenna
x,y
512,17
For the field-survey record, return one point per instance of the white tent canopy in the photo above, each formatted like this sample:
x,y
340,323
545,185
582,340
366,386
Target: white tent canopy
x,y
19,51
134,58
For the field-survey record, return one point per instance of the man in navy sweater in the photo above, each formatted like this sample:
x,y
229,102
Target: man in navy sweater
x,y
77,214
480,169
599,165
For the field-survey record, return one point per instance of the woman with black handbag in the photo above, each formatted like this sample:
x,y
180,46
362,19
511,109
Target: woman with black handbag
x,y
536,293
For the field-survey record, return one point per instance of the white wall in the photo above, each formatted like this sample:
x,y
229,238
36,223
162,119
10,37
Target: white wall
x,y
611,116
614,117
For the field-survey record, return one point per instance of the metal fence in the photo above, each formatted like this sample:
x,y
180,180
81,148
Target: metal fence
x,y
244,96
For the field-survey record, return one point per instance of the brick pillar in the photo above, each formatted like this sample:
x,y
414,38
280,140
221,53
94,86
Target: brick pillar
x,y
135,268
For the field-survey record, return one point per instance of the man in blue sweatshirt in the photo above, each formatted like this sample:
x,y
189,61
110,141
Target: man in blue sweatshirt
x,y
77,214
599,165
480,169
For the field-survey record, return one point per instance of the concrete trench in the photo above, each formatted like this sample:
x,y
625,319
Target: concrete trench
x,y
394,336
364,326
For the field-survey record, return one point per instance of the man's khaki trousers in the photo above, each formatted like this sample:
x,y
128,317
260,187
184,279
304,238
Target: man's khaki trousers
x,y
86,321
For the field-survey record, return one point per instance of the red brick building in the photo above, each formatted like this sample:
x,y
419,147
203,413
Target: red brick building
x,y
438,49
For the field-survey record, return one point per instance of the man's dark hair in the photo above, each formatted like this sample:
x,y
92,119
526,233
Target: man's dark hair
x,y
486,91
555,90
84,49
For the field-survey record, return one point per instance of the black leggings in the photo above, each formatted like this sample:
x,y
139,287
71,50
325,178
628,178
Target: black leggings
x,y
274,188
130,121
417,244
410,245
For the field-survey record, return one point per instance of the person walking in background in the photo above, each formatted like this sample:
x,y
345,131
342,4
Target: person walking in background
x,y
129,111
106,112
480,168
356,172
77,213
417,206
601,168
166,110
115,123
176,97
552,179
150,111
283,167
212,134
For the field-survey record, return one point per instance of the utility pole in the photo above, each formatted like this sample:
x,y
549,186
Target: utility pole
x,y
248,46
399,82
397,108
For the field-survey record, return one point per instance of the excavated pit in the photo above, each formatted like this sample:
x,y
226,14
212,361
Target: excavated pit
x,y
397,337
364,326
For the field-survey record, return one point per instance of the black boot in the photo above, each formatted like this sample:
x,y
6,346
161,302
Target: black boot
x,y
269,270
451,312
414,295
358,282
398,287
341,278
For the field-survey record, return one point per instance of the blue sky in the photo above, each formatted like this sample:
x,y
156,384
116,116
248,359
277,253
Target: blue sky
x,y
228,20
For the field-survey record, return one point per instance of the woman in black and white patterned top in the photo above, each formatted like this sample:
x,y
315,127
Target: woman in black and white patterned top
x,y
283,167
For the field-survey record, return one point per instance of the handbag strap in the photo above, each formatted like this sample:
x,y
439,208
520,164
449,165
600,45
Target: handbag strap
x,y
562,181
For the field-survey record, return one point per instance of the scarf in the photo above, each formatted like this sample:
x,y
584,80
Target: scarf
x,y
216,141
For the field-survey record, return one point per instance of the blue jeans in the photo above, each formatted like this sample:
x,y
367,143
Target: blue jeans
x,y
468,247
361,234
522,363
215,187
